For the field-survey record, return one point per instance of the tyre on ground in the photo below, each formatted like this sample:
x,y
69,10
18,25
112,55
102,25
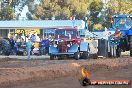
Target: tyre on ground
x,y
5,47
77,55
85,55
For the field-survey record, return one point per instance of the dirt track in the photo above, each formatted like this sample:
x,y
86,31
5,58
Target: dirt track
x,y
61,74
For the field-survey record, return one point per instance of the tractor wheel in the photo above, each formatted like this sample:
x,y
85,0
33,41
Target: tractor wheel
x,y
59,58
7,53
5,47
52,57
130,41
85,55
77,55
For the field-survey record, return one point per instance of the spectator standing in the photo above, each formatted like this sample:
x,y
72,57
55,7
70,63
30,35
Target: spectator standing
x,y
18,41
12,42
28,48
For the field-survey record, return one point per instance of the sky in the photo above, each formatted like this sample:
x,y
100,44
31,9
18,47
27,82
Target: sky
x,y
105,1
24,11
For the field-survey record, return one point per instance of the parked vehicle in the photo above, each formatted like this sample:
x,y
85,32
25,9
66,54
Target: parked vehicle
x,y
8,48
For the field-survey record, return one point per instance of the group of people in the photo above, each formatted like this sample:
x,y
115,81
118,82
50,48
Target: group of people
x,y
33,41
30,41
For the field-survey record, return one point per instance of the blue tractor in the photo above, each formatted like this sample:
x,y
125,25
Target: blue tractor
x,y
124,43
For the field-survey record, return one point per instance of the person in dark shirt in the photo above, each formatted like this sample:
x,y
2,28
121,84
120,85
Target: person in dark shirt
x,y
12,42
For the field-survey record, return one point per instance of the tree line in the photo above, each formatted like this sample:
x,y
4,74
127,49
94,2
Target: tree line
x,y
97,11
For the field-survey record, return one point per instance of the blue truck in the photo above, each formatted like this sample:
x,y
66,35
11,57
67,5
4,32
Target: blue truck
x,y
124,43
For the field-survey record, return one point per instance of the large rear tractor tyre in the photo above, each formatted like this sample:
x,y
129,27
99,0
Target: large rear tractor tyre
x,y
130,41
77,55
5,47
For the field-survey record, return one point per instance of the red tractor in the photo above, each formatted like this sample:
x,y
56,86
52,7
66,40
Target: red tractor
x,y
67,43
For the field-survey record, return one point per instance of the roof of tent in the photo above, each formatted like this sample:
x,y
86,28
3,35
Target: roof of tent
x,y
15,24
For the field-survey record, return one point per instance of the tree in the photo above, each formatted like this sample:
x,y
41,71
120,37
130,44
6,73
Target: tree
x,y
120,7
8,7
117,7
94,8
60,9
7,13
112,7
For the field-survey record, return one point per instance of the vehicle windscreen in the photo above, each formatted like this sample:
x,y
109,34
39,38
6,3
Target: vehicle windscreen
x,y
66,32
60,32
122,23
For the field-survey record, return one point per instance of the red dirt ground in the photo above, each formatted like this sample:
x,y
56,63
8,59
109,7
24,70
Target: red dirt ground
x,y
61,73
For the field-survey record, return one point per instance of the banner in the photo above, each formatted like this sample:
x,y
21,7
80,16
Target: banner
x,y
27,31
